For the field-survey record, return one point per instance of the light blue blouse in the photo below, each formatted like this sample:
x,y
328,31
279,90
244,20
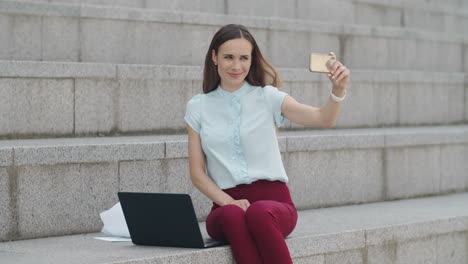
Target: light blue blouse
x,y
238,134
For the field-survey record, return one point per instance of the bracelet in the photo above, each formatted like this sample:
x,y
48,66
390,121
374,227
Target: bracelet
x,y
336,98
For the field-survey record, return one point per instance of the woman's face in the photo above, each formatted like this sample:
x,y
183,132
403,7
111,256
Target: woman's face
x,y
233,60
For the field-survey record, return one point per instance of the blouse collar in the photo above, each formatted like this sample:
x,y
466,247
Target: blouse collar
x,y
237,93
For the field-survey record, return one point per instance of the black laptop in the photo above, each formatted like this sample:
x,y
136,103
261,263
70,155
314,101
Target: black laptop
x,y
163,219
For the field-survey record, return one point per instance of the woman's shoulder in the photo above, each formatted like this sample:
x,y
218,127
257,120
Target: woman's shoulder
x,y
195,100
272,91
270,88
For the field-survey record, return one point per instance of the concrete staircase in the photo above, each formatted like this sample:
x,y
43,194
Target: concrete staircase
x,y
93,95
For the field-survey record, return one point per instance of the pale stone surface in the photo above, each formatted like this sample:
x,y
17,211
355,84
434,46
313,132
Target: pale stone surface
x,y
412,171
70,200
406,49
466,91
361,52
6,157
448,102
381,254
314,177
451,60
321,231
128,35
144,106
147,36
53,69
416,104
345,257
452,248
96,102
453,168
162,72
377,15
39,9
264,8
88,153
211,6
36,106
127,3
418,136
386,103
303,244
411,228
417,252
424,19
361,107
177,148
311,141
20,37
6,221
142,176
281,41
60,39
445,105
105,40
314,10
199,37
316,259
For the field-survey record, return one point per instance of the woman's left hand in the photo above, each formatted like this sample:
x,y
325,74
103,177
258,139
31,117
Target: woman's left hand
x,y
339,75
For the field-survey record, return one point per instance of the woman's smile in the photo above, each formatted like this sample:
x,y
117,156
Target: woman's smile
x,y
235,75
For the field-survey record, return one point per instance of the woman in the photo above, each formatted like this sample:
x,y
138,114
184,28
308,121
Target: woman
x,y
231,131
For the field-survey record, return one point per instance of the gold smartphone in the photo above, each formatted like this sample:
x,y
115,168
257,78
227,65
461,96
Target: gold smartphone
x,y
318,62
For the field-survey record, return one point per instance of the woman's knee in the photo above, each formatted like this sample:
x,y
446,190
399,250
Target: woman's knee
x,y
222,219
259,214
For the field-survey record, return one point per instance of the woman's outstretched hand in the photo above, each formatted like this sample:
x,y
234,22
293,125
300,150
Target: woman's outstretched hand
x,y
244,204
339,75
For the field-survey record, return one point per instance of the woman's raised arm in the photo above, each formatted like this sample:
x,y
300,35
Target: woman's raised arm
x,y
326,115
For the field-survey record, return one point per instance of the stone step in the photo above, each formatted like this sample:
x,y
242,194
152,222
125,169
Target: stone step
x,y
87,33
429,15
56,99
54,187
424,230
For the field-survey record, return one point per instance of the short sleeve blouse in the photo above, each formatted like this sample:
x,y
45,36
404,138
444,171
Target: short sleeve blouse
x,y
238,134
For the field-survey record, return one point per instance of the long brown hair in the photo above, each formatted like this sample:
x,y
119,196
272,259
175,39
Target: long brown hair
x,y
261,72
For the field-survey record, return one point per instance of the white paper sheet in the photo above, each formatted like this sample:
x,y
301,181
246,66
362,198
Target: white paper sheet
x,y
114,239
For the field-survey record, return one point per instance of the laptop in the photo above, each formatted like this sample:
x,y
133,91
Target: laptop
x,y
163,219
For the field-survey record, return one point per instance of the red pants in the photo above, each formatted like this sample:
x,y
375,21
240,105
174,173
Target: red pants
x,y
257,234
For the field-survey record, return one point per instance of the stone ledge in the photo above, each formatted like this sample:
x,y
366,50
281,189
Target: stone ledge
x,y
138,14
107,149
320,233
41,69
51,69
398,4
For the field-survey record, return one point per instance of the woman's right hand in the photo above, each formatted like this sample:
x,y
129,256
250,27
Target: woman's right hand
x,y
244,204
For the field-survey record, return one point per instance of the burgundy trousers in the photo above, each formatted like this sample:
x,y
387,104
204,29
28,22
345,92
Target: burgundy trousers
x,y
257,234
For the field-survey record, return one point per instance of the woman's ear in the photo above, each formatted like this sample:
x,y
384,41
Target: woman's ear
x,y
214,58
